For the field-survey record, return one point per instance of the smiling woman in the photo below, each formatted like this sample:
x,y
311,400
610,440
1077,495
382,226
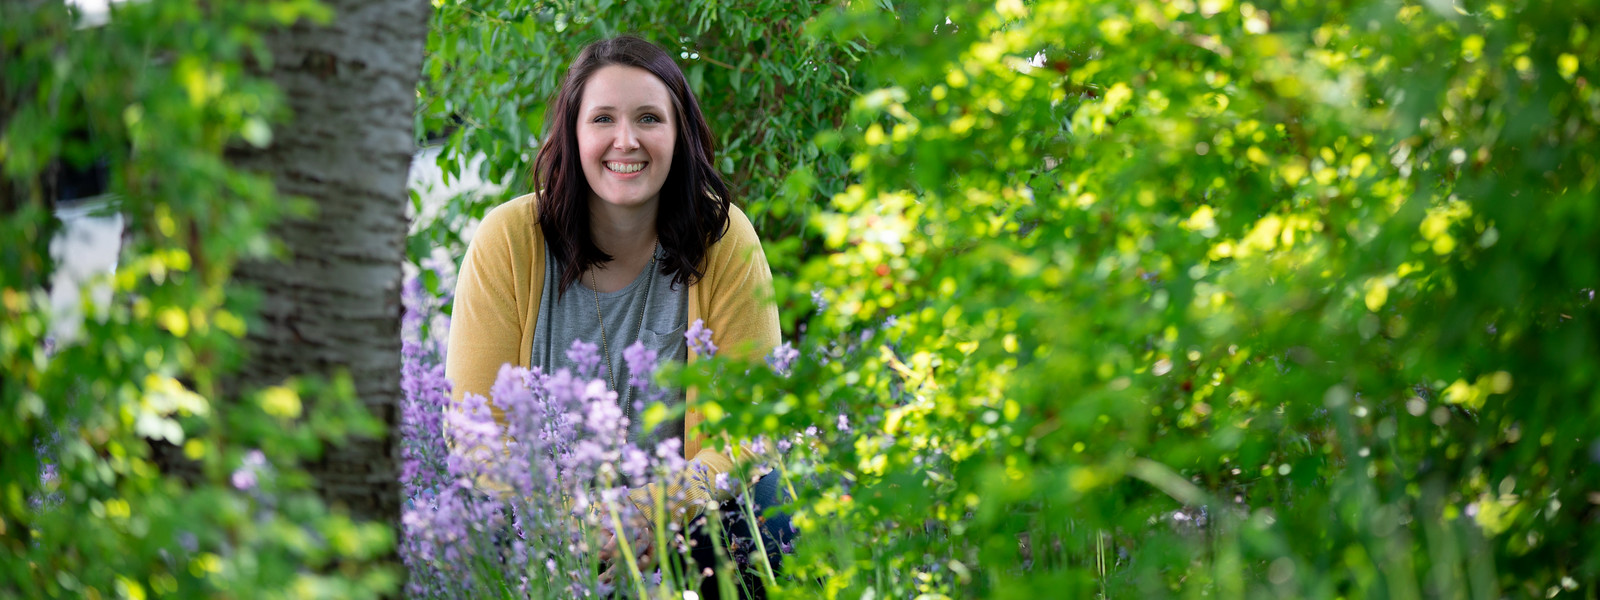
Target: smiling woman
x,y
631,210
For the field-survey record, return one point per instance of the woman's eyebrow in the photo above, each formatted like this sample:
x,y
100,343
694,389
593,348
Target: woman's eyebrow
x,y
609,108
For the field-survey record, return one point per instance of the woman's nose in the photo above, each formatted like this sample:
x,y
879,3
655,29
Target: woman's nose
x,y
626,140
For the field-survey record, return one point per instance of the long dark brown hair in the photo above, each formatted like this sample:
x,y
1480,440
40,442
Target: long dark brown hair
x,y
693,210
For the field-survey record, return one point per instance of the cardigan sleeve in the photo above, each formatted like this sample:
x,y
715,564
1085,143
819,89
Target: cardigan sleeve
x,y
486,321
739,308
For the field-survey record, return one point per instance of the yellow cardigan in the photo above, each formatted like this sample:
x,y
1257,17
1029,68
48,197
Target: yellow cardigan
x,y
497,303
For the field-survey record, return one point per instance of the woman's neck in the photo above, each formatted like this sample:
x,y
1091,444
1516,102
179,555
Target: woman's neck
x,y
628,234
625,233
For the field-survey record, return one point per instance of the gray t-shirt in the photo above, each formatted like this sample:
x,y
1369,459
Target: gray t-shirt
x,y
651,297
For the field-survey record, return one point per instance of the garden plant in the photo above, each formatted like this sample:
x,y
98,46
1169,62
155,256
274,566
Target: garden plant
x,y
1117,298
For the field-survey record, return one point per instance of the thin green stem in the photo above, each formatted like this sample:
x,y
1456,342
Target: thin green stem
x,y
783,473
724,566
668,567
627,551
1100,559
755,532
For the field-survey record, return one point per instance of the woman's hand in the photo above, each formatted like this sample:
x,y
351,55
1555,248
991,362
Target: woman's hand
x,y
641,540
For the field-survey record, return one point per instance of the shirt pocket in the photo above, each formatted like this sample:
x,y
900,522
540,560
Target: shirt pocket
x,y
669,345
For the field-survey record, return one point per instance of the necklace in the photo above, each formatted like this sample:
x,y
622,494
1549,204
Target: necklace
x,y
623,396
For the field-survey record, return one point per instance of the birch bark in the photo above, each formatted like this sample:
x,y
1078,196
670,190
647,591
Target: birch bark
x,y
336,302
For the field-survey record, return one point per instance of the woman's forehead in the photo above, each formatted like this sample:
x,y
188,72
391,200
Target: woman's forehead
x,y
620,87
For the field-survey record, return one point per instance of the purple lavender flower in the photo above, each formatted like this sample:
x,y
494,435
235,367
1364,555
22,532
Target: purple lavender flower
x,y
49,474
411,297
669,447
245,477
782,358
585,355
670,454
635,464
819,301
244,480
426,392
641,365
558,444
699,338
844,423
477,438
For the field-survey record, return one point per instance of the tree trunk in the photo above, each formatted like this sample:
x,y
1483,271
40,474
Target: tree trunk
x,y
336,303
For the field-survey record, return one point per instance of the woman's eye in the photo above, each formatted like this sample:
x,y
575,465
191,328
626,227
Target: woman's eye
x,y
602,119
650,119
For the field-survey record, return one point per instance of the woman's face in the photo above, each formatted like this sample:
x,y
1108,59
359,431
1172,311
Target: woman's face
x,y
626,135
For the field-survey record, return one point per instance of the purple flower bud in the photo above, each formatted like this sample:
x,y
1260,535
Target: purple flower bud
x,y
782,358
844,423
411,297
670,454
641,364
669,447
699,338
244,479
635,463
585,355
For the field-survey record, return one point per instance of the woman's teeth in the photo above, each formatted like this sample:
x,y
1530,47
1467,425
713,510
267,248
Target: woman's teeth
x,y
625,167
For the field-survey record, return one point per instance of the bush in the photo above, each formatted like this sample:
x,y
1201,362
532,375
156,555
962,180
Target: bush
x,y
1184,299
131,467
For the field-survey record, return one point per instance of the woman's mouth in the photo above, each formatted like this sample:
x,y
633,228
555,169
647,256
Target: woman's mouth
x,y
624,167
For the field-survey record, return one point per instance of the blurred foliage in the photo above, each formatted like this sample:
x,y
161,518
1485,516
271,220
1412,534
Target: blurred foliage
x,y
158,95
1202,299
